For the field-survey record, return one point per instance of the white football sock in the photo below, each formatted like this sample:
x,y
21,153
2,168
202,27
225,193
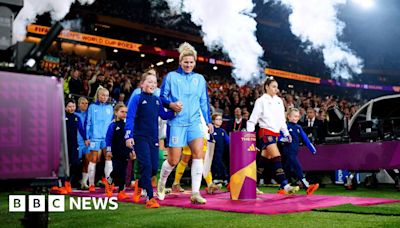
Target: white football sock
x,y
85,177
108,169
305,182
91,172
166,169
197,172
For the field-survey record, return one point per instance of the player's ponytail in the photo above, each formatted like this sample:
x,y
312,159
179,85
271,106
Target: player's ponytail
x,y
267,82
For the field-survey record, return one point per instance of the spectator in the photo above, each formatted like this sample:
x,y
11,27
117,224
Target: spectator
x,y
314,127
237,123
94,83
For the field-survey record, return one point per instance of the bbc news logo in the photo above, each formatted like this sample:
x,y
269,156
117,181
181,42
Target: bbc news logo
x,y
56,203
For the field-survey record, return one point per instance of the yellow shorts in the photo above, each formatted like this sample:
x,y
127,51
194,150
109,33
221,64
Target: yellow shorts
x,y
186,150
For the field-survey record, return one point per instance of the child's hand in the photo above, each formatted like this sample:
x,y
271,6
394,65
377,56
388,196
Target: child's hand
x,y
132,155
289,137
129,143
210,128
176,106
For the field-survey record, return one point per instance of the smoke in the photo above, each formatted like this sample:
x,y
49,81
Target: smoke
x,y
32,8
230,26
315,22
161,14
75,24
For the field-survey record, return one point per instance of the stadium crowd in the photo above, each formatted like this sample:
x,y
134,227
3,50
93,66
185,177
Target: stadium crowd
x,y
83,75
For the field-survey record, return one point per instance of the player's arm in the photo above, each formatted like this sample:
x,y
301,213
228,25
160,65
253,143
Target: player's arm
x,y
165,115
130,121
81,130
226,137
205,103
165,91
89,123
255,115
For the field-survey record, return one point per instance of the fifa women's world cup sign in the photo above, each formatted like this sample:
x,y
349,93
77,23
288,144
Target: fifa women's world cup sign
x,y
243,165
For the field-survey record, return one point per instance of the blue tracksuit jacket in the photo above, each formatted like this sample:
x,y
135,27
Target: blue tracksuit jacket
x,y
115,141
99,118
296,131
191,90
142,117
82,116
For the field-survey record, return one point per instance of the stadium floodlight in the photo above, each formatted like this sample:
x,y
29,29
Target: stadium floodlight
x,y
366,4
36,54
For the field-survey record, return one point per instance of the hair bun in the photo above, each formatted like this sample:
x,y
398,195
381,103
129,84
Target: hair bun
x,y
185,47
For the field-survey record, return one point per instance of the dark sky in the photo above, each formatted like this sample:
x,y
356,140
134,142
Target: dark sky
x,y
374,33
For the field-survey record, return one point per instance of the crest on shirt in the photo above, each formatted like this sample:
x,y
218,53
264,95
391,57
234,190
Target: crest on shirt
x,y
127,133
144,102
195,81
157,103
174,140
108,111
117,128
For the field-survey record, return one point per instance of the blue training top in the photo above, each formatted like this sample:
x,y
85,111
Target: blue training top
x,y
82,116
142,117
191,90
99,117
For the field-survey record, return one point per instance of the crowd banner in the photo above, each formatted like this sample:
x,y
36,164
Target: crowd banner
x,y
243,165
293,76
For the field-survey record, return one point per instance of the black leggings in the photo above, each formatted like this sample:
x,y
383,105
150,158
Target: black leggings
x,y
119,173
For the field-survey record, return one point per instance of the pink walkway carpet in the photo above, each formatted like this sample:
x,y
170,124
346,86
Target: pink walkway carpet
x,y
264,204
